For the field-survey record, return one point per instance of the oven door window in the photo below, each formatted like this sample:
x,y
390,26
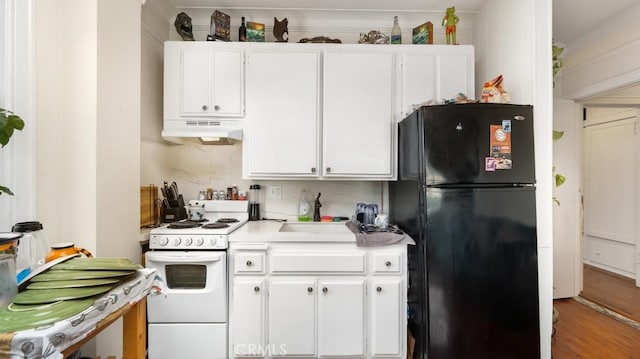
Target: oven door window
x,y
186,276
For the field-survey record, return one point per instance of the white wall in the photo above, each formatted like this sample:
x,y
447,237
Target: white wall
x,y
154,151
513,38
603,59
17,159
88,107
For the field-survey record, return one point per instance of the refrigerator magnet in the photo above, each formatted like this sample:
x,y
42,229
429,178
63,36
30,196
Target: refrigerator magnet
x,y
501,146
490,164
506,126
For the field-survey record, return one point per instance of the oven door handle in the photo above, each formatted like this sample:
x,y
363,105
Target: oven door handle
x,y
164,257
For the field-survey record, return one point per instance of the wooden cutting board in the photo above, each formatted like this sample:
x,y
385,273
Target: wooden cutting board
x,y
148,197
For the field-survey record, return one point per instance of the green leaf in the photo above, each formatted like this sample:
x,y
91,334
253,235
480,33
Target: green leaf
x,y
559,180
555,200
5,190
557,134
15,122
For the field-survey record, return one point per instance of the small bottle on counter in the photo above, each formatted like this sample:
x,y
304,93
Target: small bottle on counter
x,y
201,196
209,193
234,192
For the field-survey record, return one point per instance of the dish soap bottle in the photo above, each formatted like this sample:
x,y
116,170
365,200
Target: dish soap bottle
x,y
303,208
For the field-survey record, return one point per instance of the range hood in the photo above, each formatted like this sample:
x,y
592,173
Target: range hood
x,y
208,132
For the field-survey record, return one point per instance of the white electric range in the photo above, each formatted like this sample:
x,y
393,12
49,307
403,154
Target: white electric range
x,y
187,310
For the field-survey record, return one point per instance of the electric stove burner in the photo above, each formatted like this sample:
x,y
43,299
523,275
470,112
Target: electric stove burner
x,y
227,220
184,224
216,225
202,220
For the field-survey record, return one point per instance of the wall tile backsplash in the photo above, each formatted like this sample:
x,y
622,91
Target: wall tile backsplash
x,y
196,167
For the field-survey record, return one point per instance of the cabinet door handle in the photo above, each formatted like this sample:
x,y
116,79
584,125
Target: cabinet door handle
x,y
256,289
325,289
249,263
205,107
313,170
328,169
388,263
216,107
379,289
310,289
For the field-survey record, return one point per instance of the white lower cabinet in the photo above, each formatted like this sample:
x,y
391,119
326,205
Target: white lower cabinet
x,y
386,317
341,317
249,316
338,301
292,316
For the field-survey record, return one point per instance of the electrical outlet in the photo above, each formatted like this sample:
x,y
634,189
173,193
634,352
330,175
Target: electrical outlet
x,y
274,192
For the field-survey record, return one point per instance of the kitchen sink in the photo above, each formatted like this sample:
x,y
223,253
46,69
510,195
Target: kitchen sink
x,y
316,228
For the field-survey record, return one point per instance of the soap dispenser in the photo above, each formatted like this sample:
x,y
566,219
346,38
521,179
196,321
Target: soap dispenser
x,y
303,208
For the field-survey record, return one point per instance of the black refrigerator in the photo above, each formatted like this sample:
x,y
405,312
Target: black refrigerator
x,y
466,194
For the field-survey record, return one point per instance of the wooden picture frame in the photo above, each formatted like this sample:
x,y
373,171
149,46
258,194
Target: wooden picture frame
x,y
255,32
423,34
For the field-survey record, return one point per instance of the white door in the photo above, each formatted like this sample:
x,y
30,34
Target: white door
x,y
193,287
292,316
358,124
282,135
227,83
196,65
611,196
386,314
248,312
341,317
418,80
567,213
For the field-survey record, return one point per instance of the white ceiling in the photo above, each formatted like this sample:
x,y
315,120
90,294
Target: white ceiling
x,y
574,17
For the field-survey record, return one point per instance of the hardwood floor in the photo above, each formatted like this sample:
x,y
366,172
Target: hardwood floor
x,y
582,332
612,291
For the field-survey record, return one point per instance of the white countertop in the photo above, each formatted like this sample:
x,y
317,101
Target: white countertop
x,y
269,231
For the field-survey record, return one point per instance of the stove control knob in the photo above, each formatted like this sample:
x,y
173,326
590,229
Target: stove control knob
x,y
188,241
176,242
199,241
212,242
164,241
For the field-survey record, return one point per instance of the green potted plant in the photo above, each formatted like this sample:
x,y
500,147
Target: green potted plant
x,y
9,122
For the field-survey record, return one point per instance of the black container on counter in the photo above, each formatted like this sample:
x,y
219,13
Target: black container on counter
x,y
255,195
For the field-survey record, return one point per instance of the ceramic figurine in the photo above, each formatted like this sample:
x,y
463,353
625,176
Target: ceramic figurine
x,y
373,37
280,30
184,27
449,21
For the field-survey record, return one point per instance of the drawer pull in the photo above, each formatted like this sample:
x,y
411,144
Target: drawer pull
x,y
249,263
325,289
379,289
387,263
310,289
256,289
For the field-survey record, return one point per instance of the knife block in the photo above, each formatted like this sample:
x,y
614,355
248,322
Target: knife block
x,y
173,214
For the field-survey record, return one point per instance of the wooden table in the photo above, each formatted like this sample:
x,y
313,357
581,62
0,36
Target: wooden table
x,y
134,333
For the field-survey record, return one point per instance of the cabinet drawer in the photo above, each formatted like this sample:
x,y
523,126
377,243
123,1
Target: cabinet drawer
x,y
249,263
386,263
307,262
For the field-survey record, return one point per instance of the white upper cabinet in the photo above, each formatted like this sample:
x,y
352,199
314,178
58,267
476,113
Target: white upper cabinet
x,y
358,100
203,80
435,73
283,115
